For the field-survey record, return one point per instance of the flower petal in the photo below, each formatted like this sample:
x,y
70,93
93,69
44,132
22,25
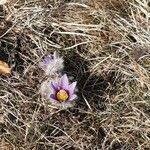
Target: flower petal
x,y
54,86
71,88
64,83
48,58
72,97
43,64
53,98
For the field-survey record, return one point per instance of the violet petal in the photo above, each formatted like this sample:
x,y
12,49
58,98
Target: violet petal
x,y
64,83
53,98
72,97
71,88
48,58
54,86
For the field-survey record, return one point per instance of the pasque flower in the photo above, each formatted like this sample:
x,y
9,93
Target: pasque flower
x,y
57,88
52,64
63,93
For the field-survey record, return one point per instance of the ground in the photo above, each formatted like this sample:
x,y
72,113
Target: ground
x,y
106,49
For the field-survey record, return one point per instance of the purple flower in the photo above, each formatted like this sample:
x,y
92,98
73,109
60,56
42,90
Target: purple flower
x,y
51,64
63,92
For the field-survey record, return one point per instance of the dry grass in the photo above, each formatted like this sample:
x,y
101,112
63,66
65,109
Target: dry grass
x,y
106,47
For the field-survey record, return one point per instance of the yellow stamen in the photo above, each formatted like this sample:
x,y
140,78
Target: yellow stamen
x,y
62,95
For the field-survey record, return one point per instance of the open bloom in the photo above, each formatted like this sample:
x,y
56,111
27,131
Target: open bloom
x,y
63,93
52,64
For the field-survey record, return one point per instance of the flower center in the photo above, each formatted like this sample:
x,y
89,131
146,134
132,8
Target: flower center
x,y
62,95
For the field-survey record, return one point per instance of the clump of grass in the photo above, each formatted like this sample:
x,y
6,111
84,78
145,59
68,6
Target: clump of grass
x,y
106,49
